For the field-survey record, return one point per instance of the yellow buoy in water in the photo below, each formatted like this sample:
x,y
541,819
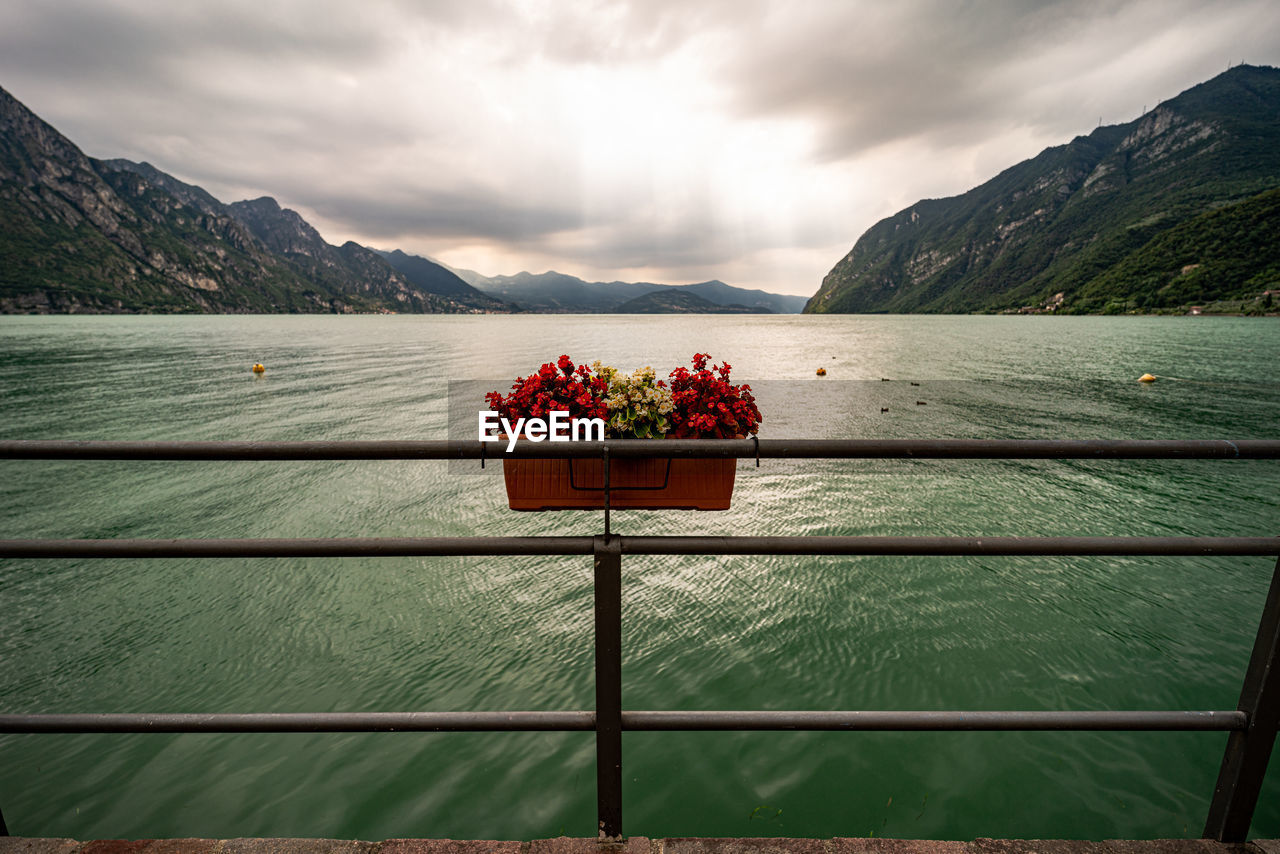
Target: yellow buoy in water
x,y
822,372
257,368
1147,378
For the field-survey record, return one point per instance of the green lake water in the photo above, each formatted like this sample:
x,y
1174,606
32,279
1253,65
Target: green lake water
x,y
441,634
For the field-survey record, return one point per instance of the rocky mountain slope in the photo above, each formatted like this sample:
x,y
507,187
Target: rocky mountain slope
x,y
85,235
1075,219
437,279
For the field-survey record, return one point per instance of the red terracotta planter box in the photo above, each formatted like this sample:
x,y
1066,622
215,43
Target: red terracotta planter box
x,y
634,484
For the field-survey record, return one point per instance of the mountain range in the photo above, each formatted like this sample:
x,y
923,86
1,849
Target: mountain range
x,y
86,235
1173,208
82,235
559,293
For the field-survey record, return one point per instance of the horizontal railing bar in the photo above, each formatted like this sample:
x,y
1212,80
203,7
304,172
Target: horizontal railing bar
x,y
692,545
442,449
314,547
954,546
937,721
305,722
637,721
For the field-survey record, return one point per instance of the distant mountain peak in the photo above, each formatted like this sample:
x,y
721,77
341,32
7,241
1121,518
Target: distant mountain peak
x,y
281,229
264,205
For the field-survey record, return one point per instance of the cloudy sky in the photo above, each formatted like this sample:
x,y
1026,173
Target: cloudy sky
x,y
659,140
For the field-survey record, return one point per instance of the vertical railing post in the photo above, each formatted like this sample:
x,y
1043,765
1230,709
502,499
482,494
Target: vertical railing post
x,y
608,607
605,456
1245,762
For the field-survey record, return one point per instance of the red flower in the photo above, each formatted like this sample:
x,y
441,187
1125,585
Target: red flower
x,y
561,386
708,406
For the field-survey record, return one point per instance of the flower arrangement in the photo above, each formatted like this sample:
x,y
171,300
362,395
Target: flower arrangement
x,y
692,403
695,404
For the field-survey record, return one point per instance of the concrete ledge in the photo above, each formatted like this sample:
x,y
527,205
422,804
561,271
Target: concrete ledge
x,y
633,845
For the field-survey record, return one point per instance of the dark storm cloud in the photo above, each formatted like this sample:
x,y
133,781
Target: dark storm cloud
x,y
956,73
125,42
479,214
149,79
630,247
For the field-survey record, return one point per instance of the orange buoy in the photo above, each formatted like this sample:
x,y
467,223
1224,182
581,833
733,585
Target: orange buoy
x,y
258,368
822,372
1147,378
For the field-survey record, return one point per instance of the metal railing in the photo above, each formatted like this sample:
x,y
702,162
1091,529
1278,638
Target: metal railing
x,y
1252,724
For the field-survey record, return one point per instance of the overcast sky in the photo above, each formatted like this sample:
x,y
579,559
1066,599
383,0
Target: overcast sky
x,y
659,140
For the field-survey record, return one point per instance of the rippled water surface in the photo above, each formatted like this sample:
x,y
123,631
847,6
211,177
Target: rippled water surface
x,y
699,633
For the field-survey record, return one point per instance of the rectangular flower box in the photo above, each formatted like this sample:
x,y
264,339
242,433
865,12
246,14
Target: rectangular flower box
x,y
634,484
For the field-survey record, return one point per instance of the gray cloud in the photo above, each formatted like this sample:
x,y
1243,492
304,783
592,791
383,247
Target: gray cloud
x,y
443,216
610,32
122,43
956,73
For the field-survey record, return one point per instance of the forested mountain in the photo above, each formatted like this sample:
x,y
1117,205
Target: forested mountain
x,y
1169,209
